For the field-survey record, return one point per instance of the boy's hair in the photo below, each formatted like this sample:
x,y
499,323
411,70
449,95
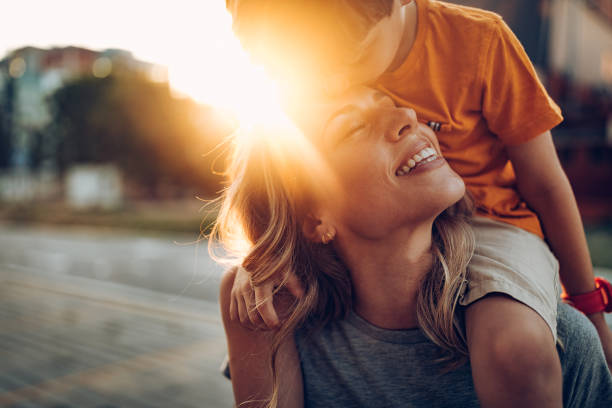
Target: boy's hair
x,y
297,37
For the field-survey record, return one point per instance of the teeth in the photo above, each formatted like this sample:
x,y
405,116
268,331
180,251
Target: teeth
x,y
426,153
424,156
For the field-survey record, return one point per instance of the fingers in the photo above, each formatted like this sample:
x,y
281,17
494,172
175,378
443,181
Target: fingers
x,y
253,306
247,312
265,305
239,305
295,286
253,314
242,304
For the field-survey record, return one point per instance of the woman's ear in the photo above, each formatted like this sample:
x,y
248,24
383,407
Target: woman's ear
x,y
310,226
317,230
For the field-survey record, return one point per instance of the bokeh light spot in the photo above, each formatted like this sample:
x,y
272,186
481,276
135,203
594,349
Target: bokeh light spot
x,y
102,67
17,67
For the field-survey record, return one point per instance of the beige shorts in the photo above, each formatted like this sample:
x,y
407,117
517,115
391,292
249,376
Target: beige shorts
x,y
512,261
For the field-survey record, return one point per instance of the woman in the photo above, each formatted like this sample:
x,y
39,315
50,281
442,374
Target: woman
x,y
374,224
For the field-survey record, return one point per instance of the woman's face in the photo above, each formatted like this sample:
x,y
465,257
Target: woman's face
x,y
388,169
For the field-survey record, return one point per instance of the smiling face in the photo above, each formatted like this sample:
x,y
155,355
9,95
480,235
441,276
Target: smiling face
x,y
388,169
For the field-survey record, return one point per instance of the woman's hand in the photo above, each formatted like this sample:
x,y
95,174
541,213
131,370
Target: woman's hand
x,y
252,305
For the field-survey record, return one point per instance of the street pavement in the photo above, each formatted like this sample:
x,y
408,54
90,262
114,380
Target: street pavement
x,y
93,318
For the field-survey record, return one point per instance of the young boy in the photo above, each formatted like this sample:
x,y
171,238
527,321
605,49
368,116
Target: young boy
x,y
467,76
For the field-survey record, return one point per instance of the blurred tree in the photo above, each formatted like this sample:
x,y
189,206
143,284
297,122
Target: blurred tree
x,y
157,140
6,116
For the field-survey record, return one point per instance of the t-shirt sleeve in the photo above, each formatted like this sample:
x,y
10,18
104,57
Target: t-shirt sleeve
x,y
515,104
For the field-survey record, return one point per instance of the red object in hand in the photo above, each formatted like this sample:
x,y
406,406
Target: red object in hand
x,y
598,300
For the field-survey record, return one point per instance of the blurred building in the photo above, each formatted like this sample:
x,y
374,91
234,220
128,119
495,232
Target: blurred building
x,y
97,186
28,76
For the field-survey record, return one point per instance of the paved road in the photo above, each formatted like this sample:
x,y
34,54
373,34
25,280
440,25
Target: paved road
x,y
101,319
175,265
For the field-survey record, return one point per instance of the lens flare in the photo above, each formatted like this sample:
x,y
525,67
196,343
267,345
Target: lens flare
x,y
222,75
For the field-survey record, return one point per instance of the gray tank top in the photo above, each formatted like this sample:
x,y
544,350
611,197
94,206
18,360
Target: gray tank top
x,y
351,363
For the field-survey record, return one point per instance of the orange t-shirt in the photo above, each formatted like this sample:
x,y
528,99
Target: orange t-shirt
x,y
470,79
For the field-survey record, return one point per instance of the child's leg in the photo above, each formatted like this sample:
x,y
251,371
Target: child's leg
x,y
513,355
511,318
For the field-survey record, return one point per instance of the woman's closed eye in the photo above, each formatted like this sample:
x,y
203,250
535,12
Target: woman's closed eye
x,y
350,131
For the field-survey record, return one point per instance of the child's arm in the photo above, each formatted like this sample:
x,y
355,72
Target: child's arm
x,y
249,359
252,306
546,189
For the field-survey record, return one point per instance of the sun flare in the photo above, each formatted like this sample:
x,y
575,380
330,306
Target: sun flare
x,y
221,74
192,38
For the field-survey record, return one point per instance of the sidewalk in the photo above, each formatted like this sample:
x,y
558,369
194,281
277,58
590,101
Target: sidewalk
x,y
77,342
185,216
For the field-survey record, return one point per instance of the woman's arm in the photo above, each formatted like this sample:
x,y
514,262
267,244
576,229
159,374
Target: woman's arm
x,y
249,360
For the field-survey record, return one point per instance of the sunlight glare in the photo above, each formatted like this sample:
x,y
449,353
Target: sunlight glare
x,y
221,74
192,38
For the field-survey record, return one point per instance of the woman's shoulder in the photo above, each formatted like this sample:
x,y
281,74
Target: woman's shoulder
x,y
379,367
227,279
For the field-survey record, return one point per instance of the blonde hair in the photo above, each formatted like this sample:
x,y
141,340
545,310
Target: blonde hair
x,y
266,202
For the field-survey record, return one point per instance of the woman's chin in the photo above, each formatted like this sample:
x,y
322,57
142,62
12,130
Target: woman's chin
x,y
457,188
450,189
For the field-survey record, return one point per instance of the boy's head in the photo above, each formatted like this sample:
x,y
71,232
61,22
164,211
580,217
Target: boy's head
x,y
310,42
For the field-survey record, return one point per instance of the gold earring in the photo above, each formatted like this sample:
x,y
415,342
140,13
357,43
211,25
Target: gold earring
x,y
327,237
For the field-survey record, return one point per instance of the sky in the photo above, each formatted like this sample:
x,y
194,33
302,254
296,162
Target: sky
x,y
193,38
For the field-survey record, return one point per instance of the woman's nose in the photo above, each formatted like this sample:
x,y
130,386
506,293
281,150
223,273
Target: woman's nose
x,y
405,123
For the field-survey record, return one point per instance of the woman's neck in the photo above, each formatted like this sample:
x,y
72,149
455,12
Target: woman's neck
x,y
387,274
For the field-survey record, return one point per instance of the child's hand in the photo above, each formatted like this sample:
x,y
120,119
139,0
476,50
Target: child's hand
x,y
252,305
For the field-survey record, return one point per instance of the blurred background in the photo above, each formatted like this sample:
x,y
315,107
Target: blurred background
x,y
112,118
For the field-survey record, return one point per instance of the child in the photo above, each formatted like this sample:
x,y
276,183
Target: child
x,y
467,76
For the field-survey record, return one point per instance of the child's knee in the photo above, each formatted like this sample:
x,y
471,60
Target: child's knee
x,y
525,352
